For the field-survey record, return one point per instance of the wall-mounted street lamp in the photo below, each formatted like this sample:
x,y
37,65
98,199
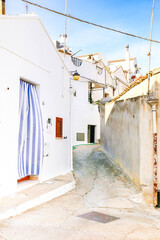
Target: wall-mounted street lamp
x,y
75,75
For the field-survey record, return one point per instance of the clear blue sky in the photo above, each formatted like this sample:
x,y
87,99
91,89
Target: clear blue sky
x,y
129,16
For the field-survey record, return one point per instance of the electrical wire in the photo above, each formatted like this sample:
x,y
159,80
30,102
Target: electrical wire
x,y
90,23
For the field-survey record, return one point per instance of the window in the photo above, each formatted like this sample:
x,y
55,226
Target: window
x,y
59,127
107,95
90,89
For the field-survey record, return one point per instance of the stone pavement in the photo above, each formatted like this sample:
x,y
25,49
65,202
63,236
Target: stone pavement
x,y
101,182
101,187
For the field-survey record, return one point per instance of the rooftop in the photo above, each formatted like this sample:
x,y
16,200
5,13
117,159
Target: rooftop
x,y
132,85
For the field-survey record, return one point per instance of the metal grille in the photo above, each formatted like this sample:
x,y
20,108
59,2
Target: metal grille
x,y
99,70
77,62
98,217
80,136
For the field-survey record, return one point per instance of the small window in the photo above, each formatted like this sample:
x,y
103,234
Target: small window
x,y
106,95
59,127
80,136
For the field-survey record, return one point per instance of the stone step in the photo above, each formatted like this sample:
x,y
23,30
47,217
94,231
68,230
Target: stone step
x,y
36,195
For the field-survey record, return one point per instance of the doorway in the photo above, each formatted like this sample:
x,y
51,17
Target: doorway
x,y
91,133
30,140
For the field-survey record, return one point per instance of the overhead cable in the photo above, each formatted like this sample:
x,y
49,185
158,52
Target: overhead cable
x,y
90,23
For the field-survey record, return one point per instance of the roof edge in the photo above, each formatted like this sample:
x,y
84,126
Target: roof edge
x,y
141,79
20,16
36,17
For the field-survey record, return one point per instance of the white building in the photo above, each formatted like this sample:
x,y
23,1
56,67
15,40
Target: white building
x,y
114,64
129,66
84,96
115,67
94,84
116,77
27,53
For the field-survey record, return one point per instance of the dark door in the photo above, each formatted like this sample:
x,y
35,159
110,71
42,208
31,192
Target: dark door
x,y
91,133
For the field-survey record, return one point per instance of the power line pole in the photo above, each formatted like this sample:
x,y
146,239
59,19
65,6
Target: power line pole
x,y
150,45
26,8
65,28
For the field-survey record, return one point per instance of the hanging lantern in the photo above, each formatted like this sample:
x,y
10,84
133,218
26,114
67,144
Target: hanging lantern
x,y
76,76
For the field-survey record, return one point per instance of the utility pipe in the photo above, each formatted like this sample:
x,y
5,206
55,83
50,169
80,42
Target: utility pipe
x,y
70,124
154,103
150,45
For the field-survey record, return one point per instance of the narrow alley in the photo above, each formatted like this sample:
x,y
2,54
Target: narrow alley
x,y
101,187
102,183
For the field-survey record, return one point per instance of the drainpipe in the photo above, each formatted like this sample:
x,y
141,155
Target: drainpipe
x,y
70,123
154,103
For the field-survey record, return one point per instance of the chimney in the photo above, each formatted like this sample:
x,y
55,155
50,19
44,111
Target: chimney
x,y
2,7
127,62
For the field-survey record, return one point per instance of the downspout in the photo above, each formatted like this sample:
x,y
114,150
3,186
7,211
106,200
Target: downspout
x,y
70,123
154,103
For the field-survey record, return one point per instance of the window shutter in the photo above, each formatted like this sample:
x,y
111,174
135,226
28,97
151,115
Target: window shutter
x,y
59,127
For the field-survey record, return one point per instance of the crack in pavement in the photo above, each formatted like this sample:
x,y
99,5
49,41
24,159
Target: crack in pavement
x,y
100,180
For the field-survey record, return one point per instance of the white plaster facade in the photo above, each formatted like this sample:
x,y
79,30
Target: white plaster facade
x,y
129,66
123,63
83,112
28,53
92,70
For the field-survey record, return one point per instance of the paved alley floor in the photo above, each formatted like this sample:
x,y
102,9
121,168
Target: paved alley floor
x,y
101,187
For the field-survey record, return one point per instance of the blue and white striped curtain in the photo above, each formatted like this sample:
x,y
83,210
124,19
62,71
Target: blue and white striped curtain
x,y
31,143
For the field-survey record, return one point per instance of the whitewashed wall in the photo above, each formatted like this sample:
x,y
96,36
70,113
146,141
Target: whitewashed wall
x,y
84,113
27,52
114,65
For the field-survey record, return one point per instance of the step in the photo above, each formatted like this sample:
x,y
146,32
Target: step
x,y
35,195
